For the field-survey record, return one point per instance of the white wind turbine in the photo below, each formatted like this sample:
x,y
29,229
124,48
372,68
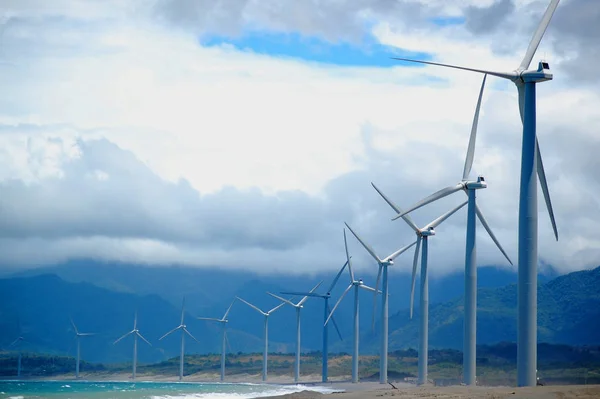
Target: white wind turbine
x,y
78,336
266,329
326,311
298,307
531,165
383,272
469,187
356,284
223,322
136,333
16,344
184,331
423,235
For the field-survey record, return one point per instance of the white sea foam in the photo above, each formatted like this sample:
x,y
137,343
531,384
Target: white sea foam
x,y
276,391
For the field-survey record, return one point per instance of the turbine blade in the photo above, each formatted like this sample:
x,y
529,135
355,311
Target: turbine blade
x,y
15,342
208,318
182,309
338,303
399,211
445,216
135,320
366,287
336,328
337,277
473,137
311,291
86,334
312,294
370,250
141,336
122,337
228,309
399,252
505,75
375,295
414,275
172,331
252,306
190,334
227,340
490,233
274,309
544,184
537,36
521,90
433,197
74,326
282,299
348,258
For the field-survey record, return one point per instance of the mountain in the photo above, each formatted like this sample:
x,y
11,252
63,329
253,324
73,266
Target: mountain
x,y
568,313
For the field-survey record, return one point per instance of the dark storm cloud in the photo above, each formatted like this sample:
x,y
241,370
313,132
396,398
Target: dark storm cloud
x,y
330,20
487,19
576,29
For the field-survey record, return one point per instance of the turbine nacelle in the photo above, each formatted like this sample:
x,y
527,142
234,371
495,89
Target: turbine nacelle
x,y
427,232
542,73
475,185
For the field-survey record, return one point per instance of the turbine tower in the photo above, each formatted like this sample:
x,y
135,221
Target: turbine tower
x,y
423,235
326,311
298,307
383,271
223,322
266,348
531,164
136,334
184,331
356,284
78,336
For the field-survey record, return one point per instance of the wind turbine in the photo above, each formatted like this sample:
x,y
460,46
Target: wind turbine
x,y
469,187
326,311
298,307
136,334
184,331
531,164
356,284
423,235
266,349
223,321
17,345
383,271
78,336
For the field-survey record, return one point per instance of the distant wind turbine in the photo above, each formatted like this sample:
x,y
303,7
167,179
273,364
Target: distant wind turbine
x,y
16,344
223,322
298,307
469,187
326,311
78,336
531,165
423,235
136,333
383,271
356,284
266,333
184,331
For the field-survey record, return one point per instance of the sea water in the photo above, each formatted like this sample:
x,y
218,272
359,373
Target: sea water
x,y
144,390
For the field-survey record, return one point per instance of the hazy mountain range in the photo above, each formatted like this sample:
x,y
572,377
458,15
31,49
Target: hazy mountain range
x,y
102,298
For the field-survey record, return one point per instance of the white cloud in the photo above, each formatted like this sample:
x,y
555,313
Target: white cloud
x,y
235,158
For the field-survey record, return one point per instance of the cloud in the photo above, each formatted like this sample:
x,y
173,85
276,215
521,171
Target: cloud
x,y
486,19
125,140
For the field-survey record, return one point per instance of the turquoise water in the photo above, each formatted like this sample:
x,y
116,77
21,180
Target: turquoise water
x,y
145,390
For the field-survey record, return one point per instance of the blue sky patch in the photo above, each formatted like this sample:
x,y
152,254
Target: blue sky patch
x,y
368,53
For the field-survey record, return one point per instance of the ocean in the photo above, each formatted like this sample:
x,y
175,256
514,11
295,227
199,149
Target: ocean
x,y
144,390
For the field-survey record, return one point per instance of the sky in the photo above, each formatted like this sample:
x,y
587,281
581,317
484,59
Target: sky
x,y
244,133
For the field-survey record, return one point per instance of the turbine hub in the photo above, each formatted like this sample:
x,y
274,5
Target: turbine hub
x,y
542,73
427,232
